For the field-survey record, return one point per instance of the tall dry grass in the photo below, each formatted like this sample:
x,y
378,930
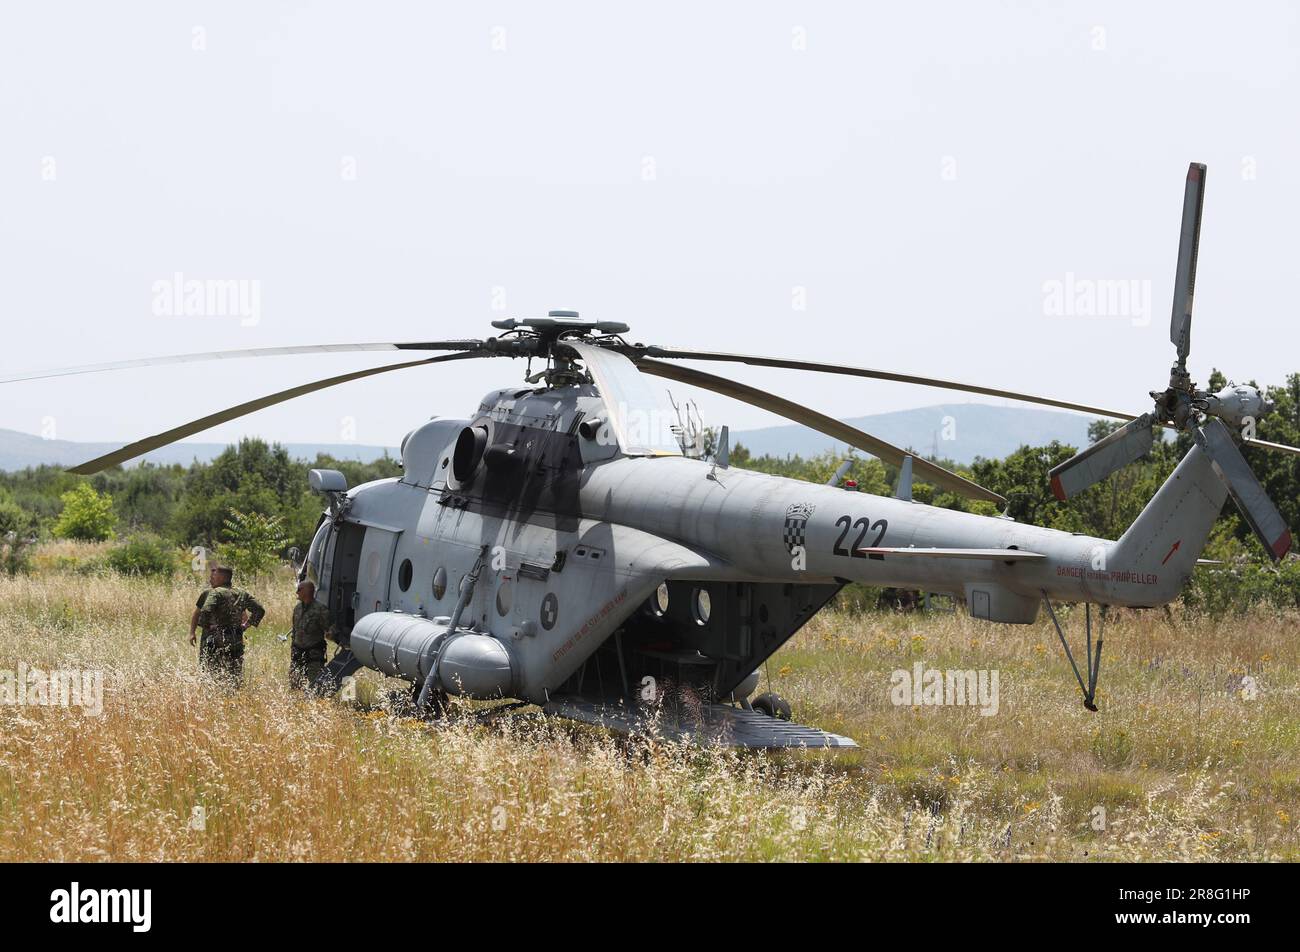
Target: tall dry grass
x,y
1184,763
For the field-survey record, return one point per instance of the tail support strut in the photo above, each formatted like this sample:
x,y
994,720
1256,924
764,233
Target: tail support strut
x,y
1093,658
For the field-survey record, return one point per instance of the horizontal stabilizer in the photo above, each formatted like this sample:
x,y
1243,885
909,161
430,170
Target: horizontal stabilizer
x,y
1005,555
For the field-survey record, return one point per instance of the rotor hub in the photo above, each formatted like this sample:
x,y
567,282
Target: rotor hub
x,y
542,336
1236,405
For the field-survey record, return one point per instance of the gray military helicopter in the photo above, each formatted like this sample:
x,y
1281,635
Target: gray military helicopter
x,y
566,546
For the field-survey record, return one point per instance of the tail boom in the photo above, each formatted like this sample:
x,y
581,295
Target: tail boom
x,y
1168,537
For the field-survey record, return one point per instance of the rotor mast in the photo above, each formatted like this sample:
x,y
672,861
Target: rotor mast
x,y
543,336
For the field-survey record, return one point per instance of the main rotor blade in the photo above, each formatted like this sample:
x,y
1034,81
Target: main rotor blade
x,y
236,354
1276,447
1246,492
1128,444
140,447
1189,241
788,364
928,471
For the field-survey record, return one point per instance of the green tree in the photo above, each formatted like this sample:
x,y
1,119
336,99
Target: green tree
x,y
385,467
251,478
252,542
86,515
144,496
37,491
1023,479
1279,472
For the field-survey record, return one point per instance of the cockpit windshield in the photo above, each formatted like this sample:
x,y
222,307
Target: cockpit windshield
x,y
639,415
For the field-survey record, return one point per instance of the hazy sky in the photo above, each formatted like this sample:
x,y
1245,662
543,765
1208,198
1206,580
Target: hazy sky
x,y
931,188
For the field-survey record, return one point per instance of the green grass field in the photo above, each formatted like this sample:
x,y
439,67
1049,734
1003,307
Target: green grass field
x,y
1195,754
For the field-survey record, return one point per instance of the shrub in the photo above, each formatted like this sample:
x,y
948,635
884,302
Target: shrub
x,y
142,555
1244,585
86,515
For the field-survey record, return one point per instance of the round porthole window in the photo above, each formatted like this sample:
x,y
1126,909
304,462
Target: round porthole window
x,y
659,600
404,574
440,582
703,606
505,598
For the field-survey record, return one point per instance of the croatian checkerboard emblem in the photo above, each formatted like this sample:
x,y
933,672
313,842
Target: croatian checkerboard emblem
x,y
796,522
550,610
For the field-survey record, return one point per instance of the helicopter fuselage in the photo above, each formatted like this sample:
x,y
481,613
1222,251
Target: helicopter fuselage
x,y
576,540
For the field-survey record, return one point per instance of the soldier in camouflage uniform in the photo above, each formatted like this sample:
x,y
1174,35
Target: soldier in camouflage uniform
x,y
214,579
222,617
311,623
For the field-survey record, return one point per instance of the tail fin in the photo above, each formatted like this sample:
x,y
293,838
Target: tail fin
x,y
1168,536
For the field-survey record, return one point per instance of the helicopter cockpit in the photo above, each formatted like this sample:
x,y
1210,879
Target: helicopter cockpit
x,y
640,417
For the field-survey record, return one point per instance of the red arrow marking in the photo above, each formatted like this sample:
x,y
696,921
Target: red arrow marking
x,y
1172,549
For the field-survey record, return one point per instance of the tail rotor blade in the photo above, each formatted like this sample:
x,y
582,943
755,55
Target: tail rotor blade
x,y
1245,489
1189,240
1126,445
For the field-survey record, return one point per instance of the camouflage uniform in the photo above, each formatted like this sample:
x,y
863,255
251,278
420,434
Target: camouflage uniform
x,y
221,652
307,650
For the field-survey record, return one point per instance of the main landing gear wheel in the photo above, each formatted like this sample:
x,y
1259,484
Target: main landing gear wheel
x,y
773,705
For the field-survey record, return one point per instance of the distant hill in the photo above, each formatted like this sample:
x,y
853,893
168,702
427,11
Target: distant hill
x,y
20,450
976,429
